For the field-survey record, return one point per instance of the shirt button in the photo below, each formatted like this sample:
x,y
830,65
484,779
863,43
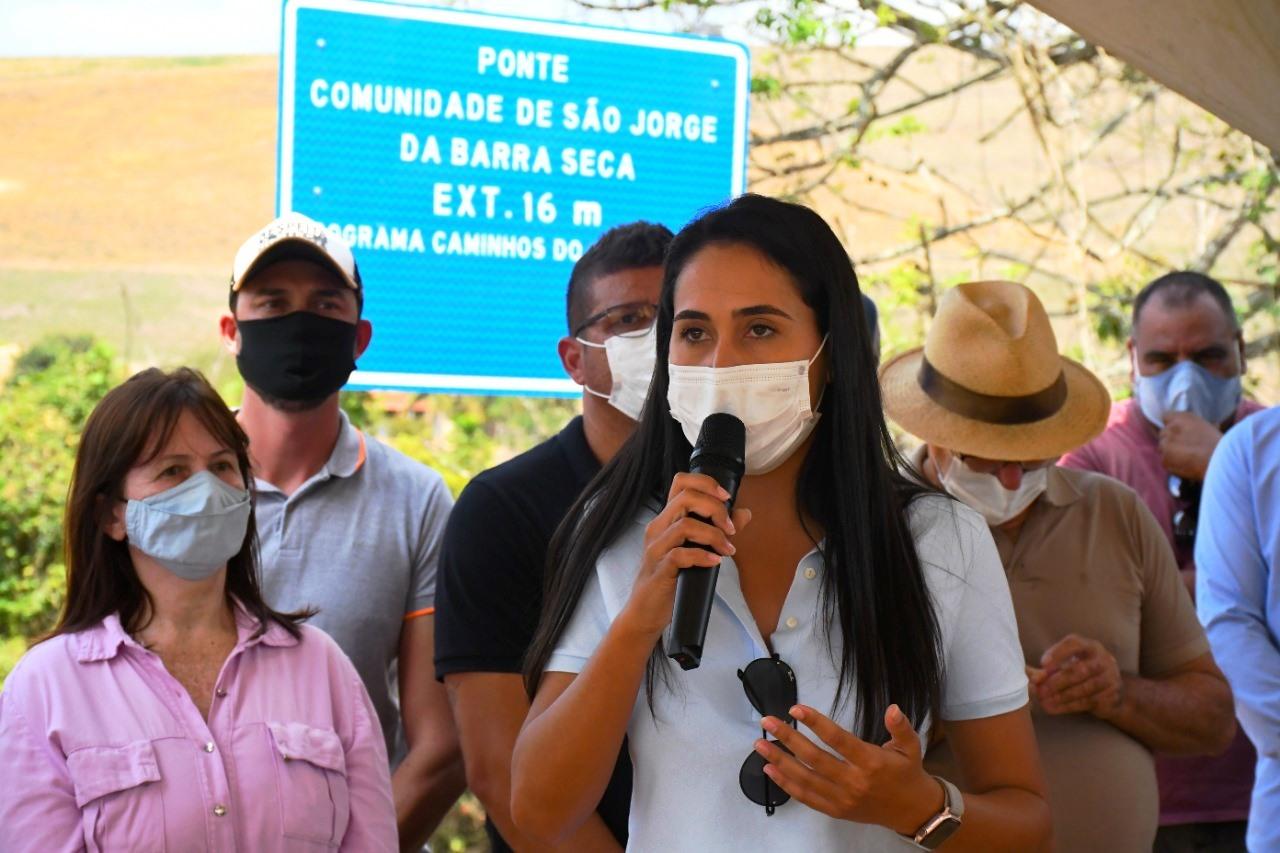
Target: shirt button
x,y
792,621
208,747
221,693
810,573
219,810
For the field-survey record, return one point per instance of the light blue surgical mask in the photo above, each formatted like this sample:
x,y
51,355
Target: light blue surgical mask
x,y
1186,387
191,529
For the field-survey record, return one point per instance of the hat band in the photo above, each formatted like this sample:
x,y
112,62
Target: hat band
x,y
989,408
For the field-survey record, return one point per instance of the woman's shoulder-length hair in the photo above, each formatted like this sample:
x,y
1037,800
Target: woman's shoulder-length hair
x,y
129,427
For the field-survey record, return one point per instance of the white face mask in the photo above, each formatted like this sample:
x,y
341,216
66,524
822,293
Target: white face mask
x,y
772,400
631,359
1186,387
985,493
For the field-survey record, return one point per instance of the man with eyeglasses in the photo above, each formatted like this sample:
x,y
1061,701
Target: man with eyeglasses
x,y
1187,357
1119,666
489,594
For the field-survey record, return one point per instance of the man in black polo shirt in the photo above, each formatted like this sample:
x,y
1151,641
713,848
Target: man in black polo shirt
x,y
489,591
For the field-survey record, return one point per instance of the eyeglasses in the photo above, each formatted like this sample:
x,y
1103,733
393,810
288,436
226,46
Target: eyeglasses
x,y
770,686
1186,517
626,319
993,466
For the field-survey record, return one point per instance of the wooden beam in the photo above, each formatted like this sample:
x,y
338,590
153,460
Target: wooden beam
x,y
1222,54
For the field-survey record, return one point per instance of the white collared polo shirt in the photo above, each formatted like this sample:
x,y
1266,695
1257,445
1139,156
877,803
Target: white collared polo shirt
x,y
687,753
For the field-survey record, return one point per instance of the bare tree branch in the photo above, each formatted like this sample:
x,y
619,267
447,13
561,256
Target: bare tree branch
x,y
1215,247
830,127
1115,158
1011,210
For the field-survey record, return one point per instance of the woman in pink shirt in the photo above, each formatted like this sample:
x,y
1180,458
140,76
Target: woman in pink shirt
x,y
171,709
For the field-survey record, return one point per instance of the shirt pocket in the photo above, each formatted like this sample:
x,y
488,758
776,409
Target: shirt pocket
x,y
311,779
118,792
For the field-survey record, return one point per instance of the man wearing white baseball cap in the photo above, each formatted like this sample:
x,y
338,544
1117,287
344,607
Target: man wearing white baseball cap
x,y
1119,665
346,525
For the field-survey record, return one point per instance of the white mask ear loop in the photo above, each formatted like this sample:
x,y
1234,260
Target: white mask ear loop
x,y
585,387
822,392
821,396
818,352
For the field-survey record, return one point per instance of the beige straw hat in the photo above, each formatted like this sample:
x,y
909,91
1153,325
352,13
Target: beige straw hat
x,y
989,382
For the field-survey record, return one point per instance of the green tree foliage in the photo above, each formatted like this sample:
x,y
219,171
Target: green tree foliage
x,y
459,436
43,405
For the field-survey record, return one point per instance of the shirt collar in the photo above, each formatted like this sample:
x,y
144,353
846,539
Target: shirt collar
x,y
275,635
103,641
1059,490
348,457
349,452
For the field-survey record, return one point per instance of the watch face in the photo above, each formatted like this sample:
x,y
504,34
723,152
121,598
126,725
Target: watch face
x,y
943,830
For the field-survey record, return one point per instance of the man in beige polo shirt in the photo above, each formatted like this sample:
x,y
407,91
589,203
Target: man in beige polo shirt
x,y
1119,666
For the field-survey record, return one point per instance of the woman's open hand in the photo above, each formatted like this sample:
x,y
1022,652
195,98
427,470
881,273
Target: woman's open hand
x,y
866,783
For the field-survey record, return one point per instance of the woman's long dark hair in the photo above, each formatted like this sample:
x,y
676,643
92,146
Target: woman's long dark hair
x,y
129,427
875,600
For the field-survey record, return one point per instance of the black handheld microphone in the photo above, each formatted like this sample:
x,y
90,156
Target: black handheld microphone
x,y
720,453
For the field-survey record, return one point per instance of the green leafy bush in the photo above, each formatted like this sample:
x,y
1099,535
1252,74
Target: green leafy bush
x,y
462,829
43,405
458,436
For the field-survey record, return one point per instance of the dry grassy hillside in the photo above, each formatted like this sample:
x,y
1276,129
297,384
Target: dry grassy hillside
x,y
139,164
126,184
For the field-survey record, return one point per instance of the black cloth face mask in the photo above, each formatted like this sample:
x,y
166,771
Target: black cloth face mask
x,y
299,357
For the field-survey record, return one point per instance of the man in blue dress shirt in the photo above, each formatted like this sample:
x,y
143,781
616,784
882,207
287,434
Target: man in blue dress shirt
x,y
1238,596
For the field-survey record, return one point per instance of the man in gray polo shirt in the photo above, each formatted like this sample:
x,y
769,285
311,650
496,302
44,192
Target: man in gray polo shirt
x,y
347,525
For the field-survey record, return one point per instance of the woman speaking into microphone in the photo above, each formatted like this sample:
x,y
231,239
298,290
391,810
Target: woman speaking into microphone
x,y
855,611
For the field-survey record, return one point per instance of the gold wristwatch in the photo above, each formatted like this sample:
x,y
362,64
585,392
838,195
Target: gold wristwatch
x,y
943,825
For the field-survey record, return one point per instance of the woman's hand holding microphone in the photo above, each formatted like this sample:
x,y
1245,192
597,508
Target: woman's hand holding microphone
x,y
668,548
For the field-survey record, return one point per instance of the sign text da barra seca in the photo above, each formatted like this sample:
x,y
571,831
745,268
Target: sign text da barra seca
x,y
481,201
471,159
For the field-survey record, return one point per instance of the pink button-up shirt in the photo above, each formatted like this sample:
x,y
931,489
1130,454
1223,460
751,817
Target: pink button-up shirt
x,y
102,749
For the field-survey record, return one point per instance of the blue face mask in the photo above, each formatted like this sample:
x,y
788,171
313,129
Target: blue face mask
x,y
191,529
1186,387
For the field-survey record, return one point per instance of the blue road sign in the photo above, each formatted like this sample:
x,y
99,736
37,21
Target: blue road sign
x,y
470,159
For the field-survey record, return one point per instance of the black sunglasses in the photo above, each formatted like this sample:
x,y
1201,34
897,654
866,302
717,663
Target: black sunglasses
x,y
770,686
1186,517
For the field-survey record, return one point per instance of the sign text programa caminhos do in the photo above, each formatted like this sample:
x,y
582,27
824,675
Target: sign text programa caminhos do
x,y
470,159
